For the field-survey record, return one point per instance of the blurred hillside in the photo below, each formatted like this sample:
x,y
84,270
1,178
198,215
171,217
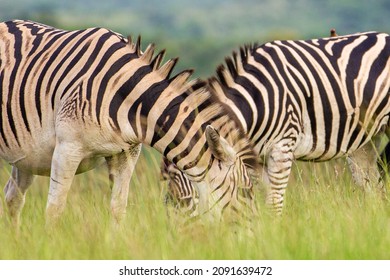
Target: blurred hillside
x,y
203,32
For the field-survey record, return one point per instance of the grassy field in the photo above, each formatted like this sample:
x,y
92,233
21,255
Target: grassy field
x,y
325,217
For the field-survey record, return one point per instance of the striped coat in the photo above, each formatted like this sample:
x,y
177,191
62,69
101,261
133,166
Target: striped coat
x,y
310,100
71,100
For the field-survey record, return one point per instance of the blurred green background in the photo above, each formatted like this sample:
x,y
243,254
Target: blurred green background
x,y
203,32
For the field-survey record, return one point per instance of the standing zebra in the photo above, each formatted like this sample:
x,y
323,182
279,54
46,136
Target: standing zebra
x,y
71,100
307,100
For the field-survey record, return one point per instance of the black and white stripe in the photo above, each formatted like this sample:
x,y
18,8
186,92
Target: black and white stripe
x,y
310,100
180,193
71,100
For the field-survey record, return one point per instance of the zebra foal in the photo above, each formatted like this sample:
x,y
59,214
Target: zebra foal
x,y
71,100
306,100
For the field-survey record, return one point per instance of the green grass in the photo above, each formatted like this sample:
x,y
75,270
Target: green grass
x,y
325,217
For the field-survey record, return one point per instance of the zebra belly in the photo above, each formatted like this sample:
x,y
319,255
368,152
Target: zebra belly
x,y
36,157
42,165
304,151
326,142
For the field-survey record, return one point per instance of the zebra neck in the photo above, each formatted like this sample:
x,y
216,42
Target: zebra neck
x,y
179,129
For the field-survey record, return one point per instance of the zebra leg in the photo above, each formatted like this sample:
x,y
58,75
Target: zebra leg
x,y
363,166
15,193
65,161
276,175
120,168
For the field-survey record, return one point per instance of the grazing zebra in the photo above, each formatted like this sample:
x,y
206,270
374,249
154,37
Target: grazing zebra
x,y
71,100
308,100
180,193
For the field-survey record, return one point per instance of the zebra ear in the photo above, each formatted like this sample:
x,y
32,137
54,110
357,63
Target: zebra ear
x,y
220,148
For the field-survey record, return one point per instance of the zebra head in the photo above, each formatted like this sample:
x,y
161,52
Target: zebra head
x,y
180,193
226,186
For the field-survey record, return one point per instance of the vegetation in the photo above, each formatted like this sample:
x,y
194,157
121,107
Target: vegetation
x,y
325,217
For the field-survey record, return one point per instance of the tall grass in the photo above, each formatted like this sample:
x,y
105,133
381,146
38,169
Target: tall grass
x,y
325,217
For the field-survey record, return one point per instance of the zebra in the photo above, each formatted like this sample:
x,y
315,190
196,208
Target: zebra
x,y
312,100
180,193
72,100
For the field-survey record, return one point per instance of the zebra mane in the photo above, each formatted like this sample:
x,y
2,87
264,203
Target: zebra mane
x,y
247,154
234,64
225,78
179,81
136,47
228,72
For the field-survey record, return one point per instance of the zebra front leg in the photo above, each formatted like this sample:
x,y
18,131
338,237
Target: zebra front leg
x,y
276,175
120,168
15,193
65,161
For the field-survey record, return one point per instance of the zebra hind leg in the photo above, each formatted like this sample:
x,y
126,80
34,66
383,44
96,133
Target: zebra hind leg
x,y
121,167
384,163
15,192
364,168
384,158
